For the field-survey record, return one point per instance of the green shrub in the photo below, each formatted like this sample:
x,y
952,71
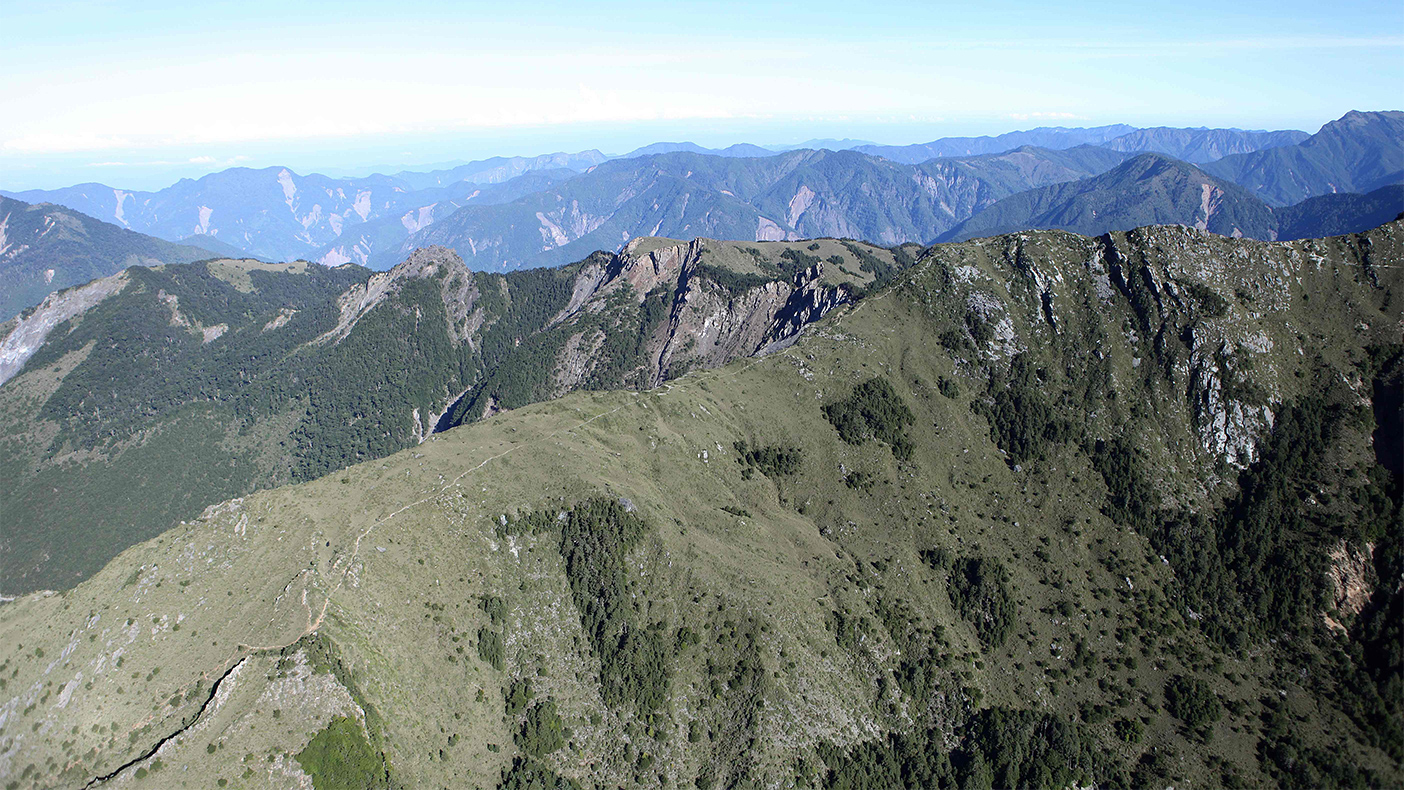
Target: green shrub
x,y
1022,423
979,590
1129,730
772,462
1193,702
518,696
635,659
340,758
542,732
1002,748
860,480
1209,302
528,773
873,410
495,608
794,261
1131,498
491,648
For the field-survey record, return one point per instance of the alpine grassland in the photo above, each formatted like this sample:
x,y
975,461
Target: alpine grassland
x,y
1041,511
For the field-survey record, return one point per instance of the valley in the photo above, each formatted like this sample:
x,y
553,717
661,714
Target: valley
x,y
701,396
1030,511
231,376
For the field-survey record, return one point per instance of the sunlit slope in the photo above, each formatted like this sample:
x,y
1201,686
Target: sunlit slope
x,y
161,391
788,606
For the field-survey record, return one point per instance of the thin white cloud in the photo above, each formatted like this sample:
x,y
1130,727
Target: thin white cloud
x,y
1045,116
53,142
223,99
298,97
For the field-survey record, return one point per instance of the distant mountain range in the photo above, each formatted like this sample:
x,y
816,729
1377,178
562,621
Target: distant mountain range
x,y
1336,215
1043,137
499,169
1152,189
1149,189
794,195
1202,145
388,231
738,150
47,248
515,212
1361,152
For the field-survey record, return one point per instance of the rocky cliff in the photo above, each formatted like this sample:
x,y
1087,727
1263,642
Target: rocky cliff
x,y
239,375
1046,510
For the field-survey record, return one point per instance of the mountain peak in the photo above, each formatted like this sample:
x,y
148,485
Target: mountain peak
x,y
1147,189
427,262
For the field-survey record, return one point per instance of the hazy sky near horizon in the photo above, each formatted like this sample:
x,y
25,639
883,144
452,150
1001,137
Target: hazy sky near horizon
x,y
137,95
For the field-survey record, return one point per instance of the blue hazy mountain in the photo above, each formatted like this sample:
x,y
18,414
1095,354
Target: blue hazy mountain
x,y
46,248
1360,152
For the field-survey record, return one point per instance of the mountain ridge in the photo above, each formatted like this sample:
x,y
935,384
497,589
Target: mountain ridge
x,y
1148,189
1359,152
790,195
238,375
45,247
1156,189
844,563
274,213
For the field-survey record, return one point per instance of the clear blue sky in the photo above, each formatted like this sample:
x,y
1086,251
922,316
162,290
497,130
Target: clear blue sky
x,y
136,95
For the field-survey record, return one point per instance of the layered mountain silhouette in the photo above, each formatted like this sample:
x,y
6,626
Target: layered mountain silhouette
x,y
1334,215
1202,145
45,248
1360,152
1149,189
797,194
515,212
1043,137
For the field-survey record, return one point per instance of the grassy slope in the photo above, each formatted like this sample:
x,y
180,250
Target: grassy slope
x,y
389,560
124,408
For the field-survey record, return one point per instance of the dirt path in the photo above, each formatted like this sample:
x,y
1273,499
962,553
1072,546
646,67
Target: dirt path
x,y
314,622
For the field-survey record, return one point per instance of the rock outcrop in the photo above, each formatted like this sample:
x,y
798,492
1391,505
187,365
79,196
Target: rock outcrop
x,y
709,323
20,337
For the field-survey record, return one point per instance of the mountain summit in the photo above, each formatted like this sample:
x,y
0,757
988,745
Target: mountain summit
x,y
1149,189
1044,510
1359,152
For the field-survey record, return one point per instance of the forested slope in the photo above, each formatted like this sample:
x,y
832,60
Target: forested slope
x,y
1048,509
160,391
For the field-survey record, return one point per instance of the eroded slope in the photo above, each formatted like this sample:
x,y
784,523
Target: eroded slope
x,y
935,538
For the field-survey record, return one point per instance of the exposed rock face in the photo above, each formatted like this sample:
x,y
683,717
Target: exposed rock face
x,y
708,324
27,333
1351,575
457,288
575,360
809,301
1212,325
1228,425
